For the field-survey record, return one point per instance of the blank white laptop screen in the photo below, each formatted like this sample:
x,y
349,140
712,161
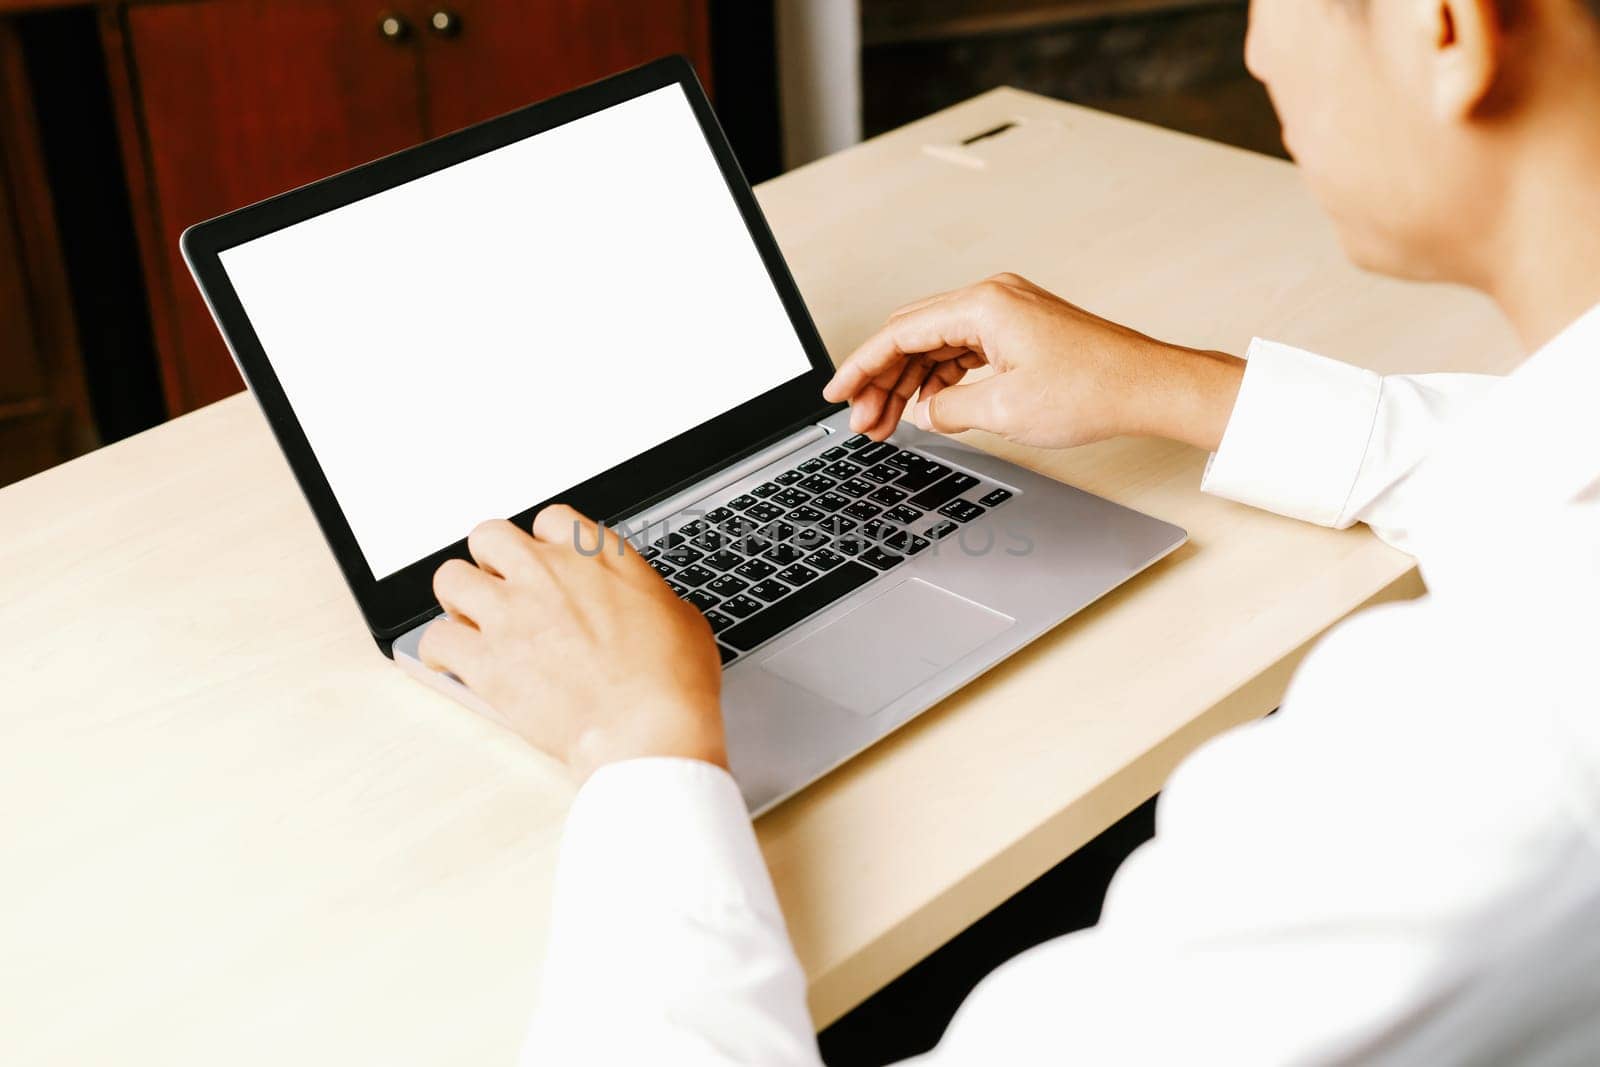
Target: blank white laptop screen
x,y
475,341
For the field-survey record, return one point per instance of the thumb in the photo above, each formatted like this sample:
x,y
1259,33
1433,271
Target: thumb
x,y
957,408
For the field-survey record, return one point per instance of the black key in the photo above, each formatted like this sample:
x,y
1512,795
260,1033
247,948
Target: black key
x,y
961,510
780,531
905,543
922,476
723,561
727,585
877,530
695,575
857,441
765,489
944,529
708,540
681,590
691,530
769,591
682,556
782,554
797,575
905,516
742,607
881,559
765,511
672,540
842,469
944,491
650,552
726,654
787,477
831,454
887,494
812,466
743,503
753,544
839,582
854,487
862,510
702,599
830,501
719,622
996,498
874,453
738,527
850,546
824,559
806,516
818,483
718,516
812,536
904,460
663,568
755,569
881,473
791,497
837,525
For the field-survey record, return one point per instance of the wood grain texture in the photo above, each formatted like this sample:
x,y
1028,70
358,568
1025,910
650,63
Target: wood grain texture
x,y
233,101
245,837
509,53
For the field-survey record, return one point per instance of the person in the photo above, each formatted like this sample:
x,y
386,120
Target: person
x,y
1403,865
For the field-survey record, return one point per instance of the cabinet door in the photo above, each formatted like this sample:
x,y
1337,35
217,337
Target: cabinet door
x,y
485,57
237,100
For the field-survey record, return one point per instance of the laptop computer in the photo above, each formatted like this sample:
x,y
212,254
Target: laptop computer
x,y
580,301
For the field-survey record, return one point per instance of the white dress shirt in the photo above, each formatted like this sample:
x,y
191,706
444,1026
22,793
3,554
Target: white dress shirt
x,y
1402,866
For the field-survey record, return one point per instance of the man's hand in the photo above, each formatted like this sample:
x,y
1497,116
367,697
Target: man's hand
x,y
1063,377
589,655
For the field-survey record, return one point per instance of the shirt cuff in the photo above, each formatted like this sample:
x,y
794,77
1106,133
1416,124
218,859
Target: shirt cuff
x,y
662,833
1297,436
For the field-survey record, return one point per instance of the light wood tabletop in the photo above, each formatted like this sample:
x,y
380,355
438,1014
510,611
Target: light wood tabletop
x,y
233,832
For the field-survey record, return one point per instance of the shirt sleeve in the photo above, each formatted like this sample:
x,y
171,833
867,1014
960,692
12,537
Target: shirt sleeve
x,y
1331,443
666,943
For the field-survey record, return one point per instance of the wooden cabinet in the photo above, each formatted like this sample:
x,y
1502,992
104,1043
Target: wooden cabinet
x,y
227,101
507,53
44,409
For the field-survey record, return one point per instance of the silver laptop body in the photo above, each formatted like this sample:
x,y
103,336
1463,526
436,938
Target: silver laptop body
x,y
809,698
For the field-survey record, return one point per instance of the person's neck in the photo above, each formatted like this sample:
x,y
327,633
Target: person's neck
x,y
1544,269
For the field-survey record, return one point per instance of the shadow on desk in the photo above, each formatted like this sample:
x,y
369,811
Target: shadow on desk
x,y
908,1016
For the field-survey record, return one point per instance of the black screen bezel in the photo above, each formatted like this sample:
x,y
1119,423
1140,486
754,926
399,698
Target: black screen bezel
x,y
392,604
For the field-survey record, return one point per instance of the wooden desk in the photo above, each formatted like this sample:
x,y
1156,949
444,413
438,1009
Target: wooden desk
x,y
233,832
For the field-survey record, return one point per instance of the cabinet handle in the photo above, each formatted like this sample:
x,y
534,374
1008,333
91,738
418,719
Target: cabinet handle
x,y
393,27
445,23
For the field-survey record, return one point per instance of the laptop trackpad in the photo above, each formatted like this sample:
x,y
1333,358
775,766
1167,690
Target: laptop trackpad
x,y
865,659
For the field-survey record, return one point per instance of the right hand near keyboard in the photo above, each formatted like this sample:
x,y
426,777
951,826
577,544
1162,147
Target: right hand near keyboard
x,y
1062,376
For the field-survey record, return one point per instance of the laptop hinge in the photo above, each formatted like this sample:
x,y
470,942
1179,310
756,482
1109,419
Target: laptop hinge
x,y
636,524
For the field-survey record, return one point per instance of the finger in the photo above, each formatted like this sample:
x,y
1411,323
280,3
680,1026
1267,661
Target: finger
x,y
866,407
451,646
467,592
943,376
956,408
565,527
501,549
945,326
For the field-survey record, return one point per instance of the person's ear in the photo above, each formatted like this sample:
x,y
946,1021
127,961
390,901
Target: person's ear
x,y
1468,49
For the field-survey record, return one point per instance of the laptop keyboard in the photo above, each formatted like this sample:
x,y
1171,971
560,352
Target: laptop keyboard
x,y
786,548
